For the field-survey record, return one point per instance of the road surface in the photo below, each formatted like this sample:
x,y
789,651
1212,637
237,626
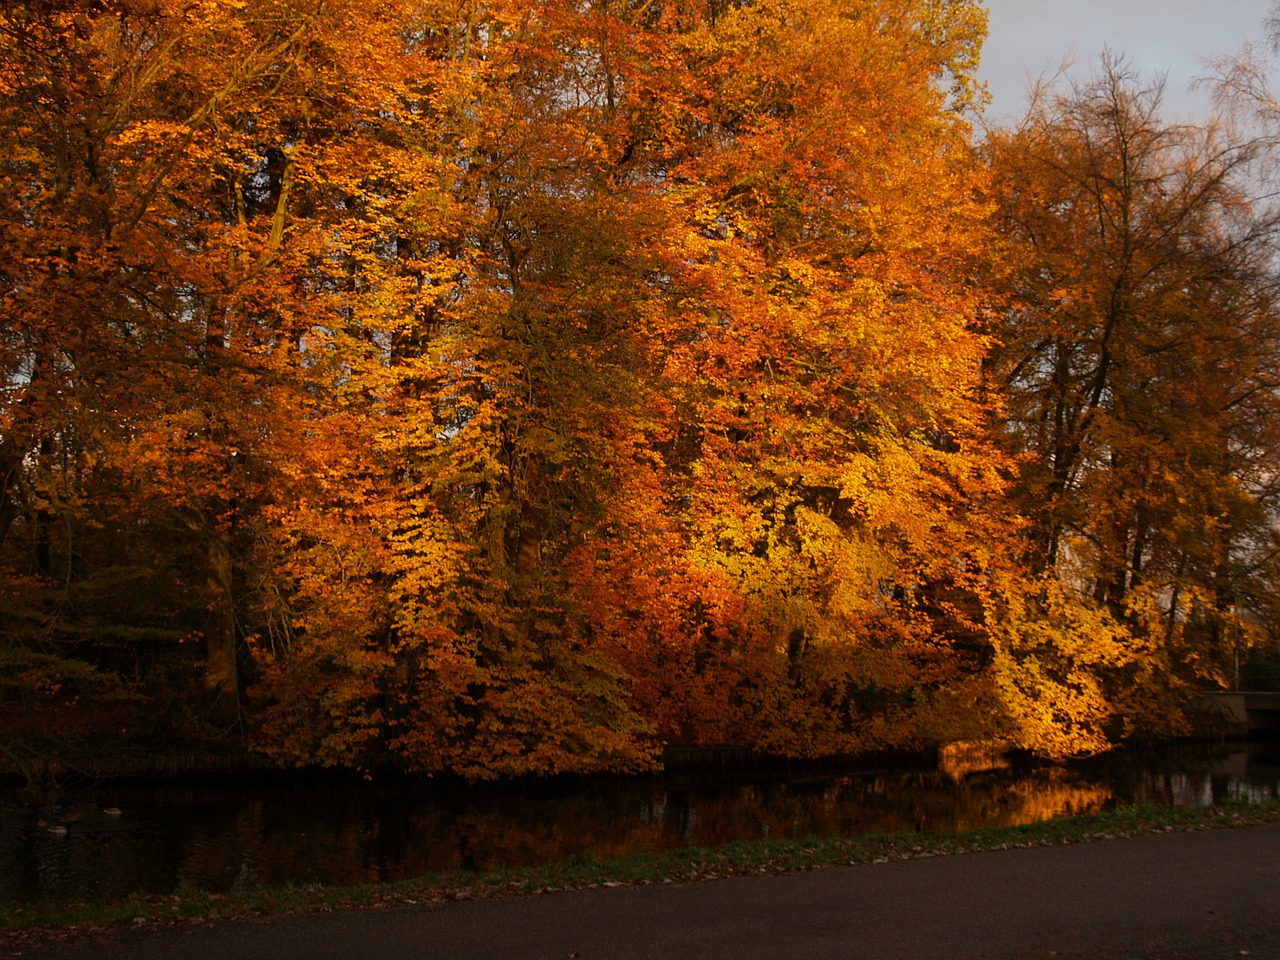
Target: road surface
x,y
1191,896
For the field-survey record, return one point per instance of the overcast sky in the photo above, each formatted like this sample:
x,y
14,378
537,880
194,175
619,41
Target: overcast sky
x,y
1156,36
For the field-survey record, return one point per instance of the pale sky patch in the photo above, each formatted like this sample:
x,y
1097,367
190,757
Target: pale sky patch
x,y
1169,37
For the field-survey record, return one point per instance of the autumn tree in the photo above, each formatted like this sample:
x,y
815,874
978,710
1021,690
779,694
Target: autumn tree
x,y
683,417
821,374
1137,354
514,388
174,178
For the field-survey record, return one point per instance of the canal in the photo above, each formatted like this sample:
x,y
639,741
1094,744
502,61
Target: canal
x,y
113,839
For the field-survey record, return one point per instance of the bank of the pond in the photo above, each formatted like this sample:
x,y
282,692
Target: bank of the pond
x,y
27,922
55,765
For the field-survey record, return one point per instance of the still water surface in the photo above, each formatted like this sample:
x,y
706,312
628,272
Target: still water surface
x,y
117,839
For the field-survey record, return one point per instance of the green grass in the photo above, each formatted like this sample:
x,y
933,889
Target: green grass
x,y
23,921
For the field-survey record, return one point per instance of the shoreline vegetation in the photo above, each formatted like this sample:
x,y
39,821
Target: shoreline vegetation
x,y
52,765
521,392
30,921
55,769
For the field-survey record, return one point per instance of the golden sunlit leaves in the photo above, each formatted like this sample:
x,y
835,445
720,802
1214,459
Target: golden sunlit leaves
x,y
1135,354
519,388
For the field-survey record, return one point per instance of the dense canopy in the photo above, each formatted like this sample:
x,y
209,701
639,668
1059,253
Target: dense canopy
x,y
527,386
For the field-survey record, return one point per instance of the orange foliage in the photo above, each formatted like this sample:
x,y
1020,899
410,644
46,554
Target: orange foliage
x,y
519,388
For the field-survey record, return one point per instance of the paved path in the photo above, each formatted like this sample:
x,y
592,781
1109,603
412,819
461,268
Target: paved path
x,y
1196,896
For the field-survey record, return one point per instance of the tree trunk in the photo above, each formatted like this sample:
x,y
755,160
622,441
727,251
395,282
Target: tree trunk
x,y
221,679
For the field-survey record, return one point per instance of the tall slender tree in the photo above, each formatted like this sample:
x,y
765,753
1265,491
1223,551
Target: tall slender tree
x,y
1138,353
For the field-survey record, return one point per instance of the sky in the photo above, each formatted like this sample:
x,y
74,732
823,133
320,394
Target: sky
x,y
1156,36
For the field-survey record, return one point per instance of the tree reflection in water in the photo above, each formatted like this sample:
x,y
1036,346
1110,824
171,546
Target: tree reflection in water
x,y
306,830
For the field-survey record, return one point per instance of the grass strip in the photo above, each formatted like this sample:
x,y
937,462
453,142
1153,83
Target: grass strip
x,y
27,921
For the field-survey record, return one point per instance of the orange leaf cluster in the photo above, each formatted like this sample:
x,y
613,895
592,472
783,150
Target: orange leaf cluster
x,y
507,387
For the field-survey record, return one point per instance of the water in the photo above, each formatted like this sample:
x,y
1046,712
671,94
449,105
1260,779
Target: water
x,y
117,839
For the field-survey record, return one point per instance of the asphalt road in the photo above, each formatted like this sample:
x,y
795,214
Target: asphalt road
x,y
1189,896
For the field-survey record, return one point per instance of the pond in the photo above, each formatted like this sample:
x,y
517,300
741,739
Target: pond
x,y
117,838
